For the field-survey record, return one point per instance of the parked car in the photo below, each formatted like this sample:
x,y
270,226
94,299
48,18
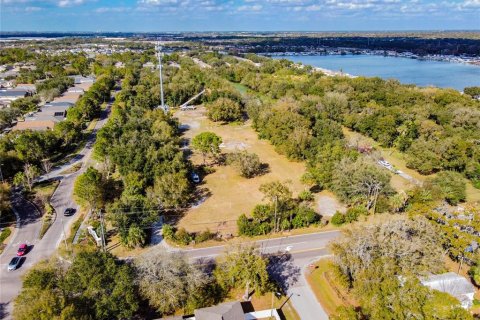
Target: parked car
x,y
14,263
195,177
69,212
22,250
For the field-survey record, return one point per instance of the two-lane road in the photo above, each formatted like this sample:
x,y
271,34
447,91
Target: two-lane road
x,y
295,254
29,229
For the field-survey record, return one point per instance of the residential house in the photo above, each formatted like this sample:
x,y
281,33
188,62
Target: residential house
x,y
27,86
228,311
82,79
9,95
76,90
224,311
453,284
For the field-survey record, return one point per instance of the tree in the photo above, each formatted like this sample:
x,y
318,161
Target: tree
x,y
243,267
171,190
248,164
168,281
449,185
46,165
360,179
101,286
208,143
88,188
411,245
224,109
136,236
27,177
4,198
278,194
94,285
338,219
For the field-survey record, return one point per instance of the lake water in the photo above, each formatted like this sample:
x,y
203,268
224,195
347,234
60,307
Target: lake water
x,y
406,70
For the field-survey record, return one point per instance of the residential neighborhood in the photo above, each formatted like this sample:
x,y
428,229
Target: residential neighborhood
x,y
148,174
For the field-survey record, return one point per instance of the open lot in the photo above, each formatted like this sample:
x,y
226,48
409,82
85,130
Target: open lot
x,y
230,195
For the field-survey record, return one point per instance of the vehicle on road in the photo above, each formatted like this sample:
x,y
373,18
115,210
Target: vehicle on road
x,y
195,177
69,212
14,263
22,250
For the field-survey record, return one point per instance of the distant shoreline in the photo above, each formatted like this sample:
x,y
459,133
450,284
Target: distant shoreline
x,y
355,52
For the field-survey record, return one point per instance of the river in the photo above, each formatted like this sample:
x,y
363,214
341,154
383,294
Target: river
x,y
409,71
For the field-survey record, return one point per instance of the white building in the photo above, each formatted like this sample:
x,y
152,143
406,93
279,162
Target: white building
x,y
453,284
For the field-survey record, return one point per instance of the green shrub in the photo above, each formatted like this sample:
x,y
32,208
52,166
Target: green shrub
x,y
306,195
204,236
183,237
338,219
168,232
4,234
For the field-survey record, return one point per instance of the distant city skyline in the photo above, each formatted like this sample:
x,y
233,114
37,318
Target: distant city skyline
x,y
242,15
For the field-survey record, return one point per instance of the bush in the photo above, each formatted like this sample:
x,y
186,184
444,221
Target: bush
x,y
305,217
168,232
338,219
224,109
5,234
204,236
306,195
183,237
353,213
450,186
248,164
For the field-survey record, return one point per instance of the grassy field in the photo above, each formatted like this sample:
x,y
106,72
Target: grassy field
x,y
230,195
328,291
398,160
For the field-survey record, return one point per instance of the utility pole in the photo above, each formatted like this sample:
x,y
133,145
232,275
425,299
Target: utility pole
x,y
159,56
103,232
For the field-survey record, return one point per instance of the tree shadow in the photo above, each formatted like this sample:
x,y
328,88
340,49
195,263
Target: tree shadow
x,y
282,270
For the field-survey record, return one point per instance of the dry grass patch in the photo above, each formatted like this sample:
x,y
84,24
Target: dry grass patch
x,y
230,194
329,292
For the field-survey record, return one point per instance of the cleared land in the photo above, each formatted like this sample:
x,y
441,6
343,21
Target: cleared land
x,y
231,195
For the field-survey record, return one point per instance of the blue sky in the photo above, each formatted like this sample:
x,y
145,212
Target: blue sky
x,y
232,15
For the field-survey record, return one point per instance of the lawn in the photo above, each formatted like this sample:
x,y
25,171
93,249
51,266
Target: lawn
x,y
328,291
230,195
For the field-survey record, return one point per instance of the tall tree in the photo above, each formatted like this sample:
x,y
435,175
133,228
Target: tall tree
x,y
88,187
168,281
243,267
278,193
207,143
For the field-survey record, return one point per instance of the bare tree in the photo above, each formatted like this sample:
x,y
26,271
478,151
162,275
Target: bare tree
x,y
47,165
167,280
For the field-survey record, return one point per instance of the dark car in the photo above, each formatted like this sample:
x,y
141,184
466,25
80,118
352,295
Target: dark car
x,y
69,212
22,250
14,263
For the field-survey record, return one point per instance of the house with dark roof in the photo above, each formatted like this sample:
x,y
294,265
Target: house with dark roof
x,y
228,311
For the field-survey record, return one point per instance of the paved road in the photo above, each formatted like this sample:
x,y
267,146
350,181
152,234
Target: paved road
x,y
26,231
10,282
292,256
